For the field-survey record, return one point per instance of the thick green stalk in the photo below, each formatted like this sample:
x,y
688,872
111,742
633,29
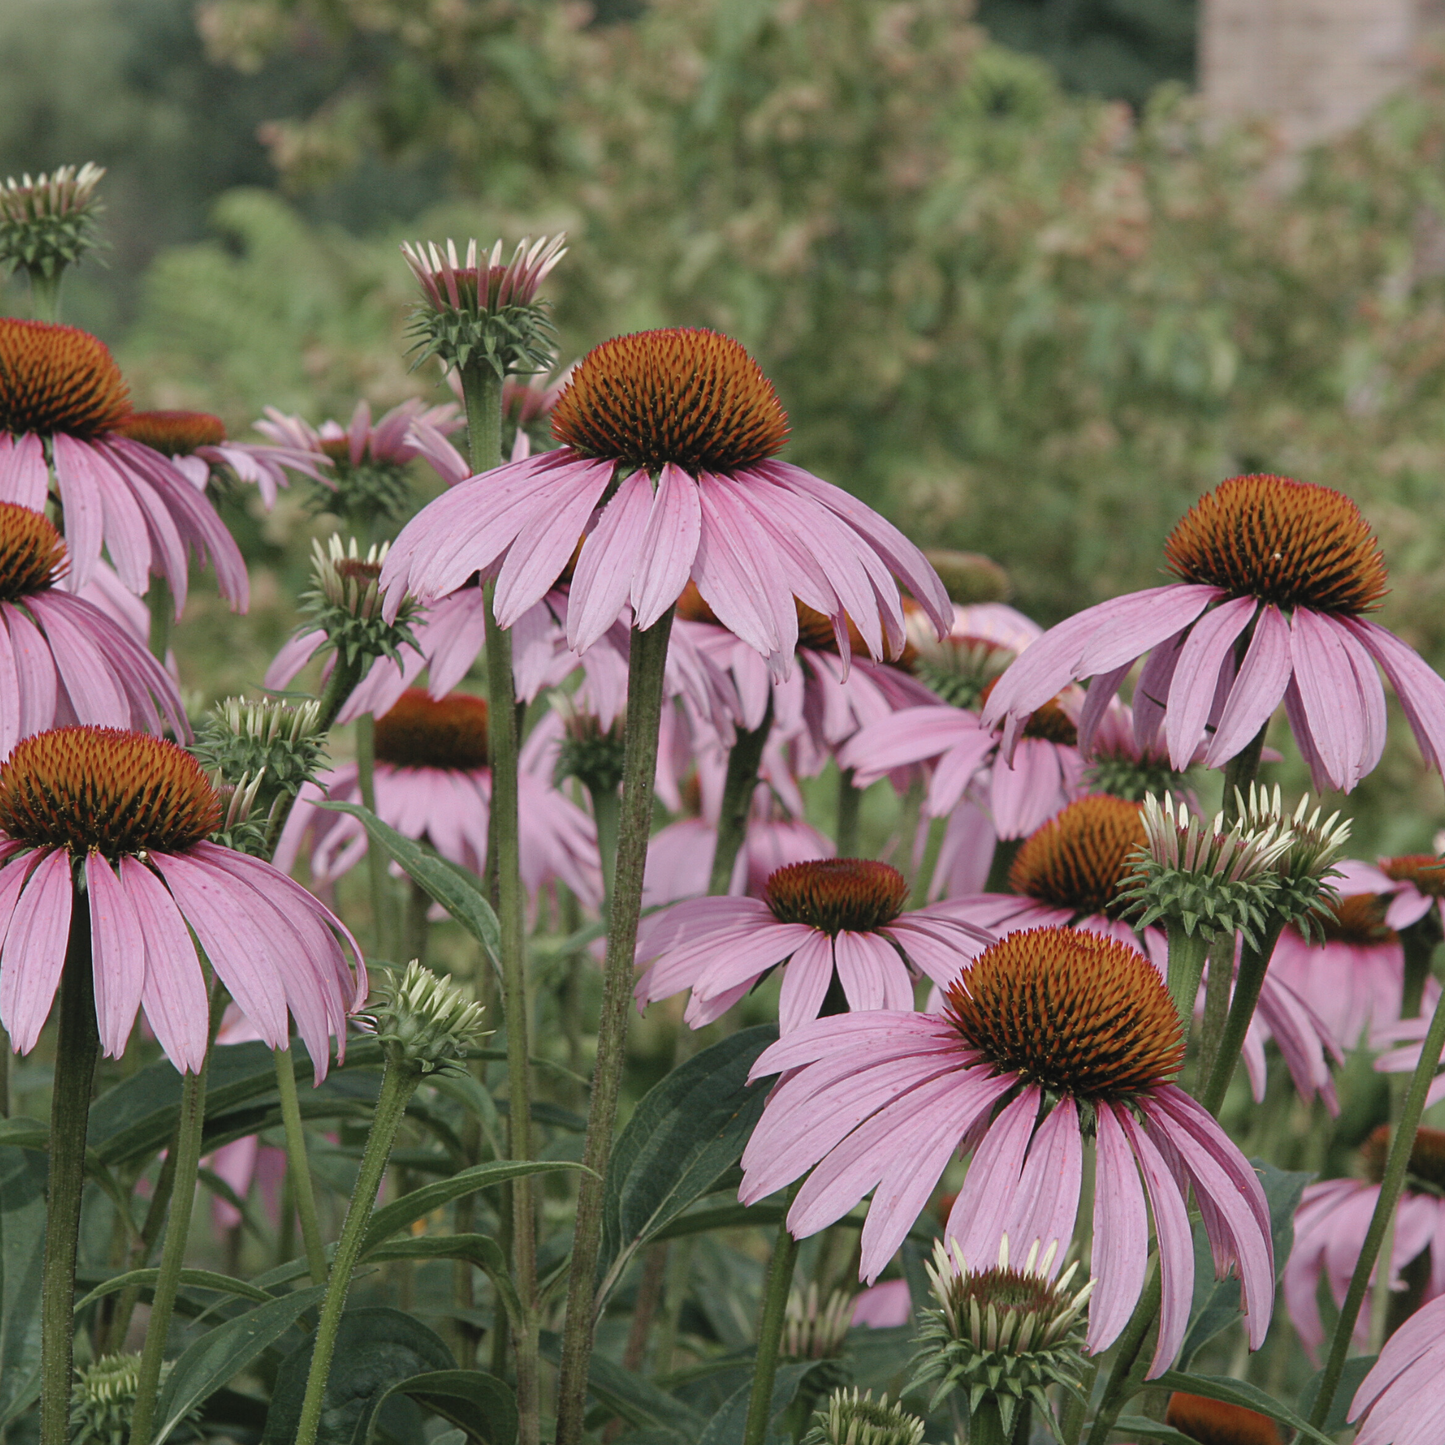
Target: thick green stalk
x,y
380,880
644,712
932,847
1391,1185
398,1084
297,1163
1186,965
606,813
173,1252
45,293
76,1050
985,1426
1240,771
140,1255
776,1287
845,833
744,758
1216,1009
163,611
1252,965
1126,1358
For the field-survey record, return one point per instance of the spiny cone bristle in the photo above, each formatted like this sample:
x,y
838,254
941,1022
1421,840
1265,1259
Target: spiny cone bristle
x,y
32,553
691,397
1212,1422
421,732
1292,543
1358,919
1078,859
1072,1011
58,379
836,895
1425,870
106,789
174,433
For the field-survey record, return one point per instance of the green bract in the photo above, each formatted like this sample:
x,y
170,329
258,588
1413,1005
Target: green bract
x,y
423,1020
849,1418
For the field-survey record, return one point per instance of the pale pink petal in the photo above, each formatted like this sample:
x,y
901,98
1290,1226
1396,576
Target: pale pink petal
x,y
884,1306
1420,689
981,1210
24,475
174,996
119,953
1191,694
737,574
1046,1203
1258,689
34,950
1024,795
293,656
81,474
806,977
605,568
35,673
1121,1233
94,692
1151,692
674,528
958,767
11,700
1329,695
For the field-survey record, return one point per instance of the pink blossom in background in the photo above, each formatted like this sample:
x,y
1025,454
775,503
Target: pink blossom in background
x,y
884,1306
1284,569
1400,1401
830,918
703,500
881,1101
151,879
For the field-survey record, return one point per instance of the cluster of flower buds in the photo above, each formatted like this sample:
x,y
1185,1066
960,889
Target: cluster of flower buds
x,y
1212,880
849,1418
479,310
345,602
1003,1334
48,223
424,1021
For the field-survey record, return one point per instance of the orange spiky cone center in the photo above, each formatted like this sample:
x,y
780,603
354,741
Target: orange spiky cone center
x,y
1212,1422
1359,919
1427,1155
58,379
1072,1012
105,790
837,895
32,553
174,433
1425,870
422,732
1078,859
690,397
1291,543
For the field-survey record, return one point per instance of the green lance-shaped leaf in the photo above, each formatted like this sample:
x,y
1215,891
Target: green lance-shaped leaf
x,y
22,1249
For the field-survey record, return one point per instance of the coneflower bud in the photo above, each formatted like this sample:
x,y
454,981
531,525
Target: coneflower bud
x,y
345,602
480,310
588,752
423,1020
1208,879
48,223
1304,898
812,1331
102,1400
1003,1334
853,1419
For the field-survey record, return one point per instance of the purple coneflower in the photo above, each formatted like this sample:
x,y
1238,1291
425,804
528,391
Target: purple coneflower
x,y
433,782
62,658
127,815
1285,570
828,919
1400,1401
667,470
1060,1028
64,406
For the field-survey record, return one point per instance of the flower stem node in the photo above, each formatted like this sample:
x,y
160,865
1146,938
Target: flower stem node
x,y
345,602
479,311
1213,881
48,223
850,1418
424,1021
1003,1333
102,1400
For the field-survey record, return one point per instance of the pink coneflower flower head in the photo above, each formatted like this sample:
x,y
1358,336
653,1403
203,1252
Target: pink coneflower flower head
x,y
1072,1034
981,642
62,658
1334,1216
1419,887
839,926
1400,1400
1215,1422
63,407
1283,571
667,468
128,815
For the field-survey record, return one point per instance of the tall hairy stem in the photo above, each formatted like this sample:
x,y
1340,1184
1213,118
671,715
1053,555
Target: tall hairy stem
x,y
776,1286
299,1167
76,1052
644,713
744,758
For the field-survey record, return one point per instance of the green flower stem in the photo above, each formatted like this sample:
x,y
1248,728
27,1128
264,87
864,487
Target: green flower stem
x,y
1004,853
76,1051
1187,953
845,832
606,813
1118,1390
1391,1185
1252,965
415,926
45,302
377,876
644,713
985,1426
776,1287
482,391
140,1256
933,846
163,610
1243,768
744,758
1216,1009
298,1165
173,1251
398,1084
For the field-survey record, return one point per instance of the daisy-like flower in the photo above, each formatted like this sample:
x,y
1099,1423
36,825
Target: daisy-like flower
x,y
1416,884
63,407
1284,570
128,815
1334,1216
1058,1027
829,920
63,658
667,470
1400,1400
433,782
196,441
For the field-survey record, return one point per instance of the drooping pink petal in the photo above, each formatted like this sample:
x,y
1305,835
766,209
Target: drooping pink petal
x,y
1258,689
669,546
34,671
174,994
1024,794
1046,1203
1420,689
34,950
1101,692
94,692
603,579
1121,1232
24,475
1196,675
806,977
1329,695
971,749
981,1211
119,955
1151,692
80,475
295,653
10,697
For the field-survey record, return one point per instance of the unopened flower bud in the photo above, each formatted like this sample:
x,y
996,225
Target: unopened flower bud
x,y
345,601
588,752
1305,898
48,223
849,1418
102,1400
423,1019
812,1331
